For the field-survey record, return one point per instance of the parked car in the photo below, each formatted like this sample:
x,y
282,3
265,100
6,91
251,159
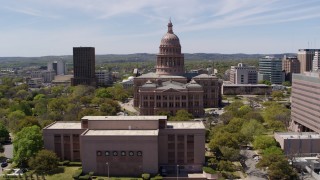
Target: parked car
x,y
4,164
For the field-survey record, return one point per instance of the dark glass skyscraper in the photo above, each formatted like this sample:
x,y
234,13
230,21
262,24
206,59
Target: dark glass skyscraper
x,y
83,66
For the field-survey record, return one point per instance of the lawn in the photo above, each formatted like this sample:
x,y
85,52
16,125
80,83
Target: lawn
x,y
63,173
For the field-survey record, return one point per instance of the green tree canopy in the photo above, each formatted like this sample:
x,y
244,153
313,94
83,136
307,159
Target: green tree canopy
x,y
181,115
26,144
4,133
263,142
44,161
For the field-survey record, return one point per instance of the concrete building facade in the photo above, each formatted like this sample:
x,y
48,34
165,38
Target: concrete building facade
x,y
316,61
104,77
246,89
128,145
298,144
83,66
270,68
243,74
305,103
169,89
59,67
305,56
290,65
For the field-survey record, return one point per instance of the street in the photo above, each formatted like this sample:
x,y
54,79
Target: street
x,y
250,163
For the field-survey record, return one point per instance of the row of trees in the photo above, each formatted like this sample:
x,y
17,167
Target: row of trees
x,y
244,125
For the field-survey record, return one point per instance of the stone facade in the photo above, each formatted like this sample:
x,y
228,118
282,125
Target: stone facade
x,y
169,89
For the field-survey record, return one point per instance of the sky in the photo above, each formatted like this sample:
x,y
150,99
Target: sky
x,y
53,27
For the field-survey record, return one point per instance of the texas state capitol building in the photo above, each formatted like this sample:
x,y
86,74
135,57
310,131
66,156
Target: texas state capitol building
x,y
132,145
128,145
170,89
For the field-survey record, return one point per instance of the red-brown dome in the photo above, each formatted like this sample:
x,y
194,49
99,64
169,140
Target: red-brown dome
x,y
170,39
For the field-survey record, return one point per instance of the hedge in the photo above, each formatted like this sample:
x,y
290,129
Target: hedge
x,y
208,170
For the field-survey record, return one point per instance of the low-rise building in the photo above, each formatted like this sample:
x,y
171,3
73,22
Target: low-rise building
x,y
245,89
298,143
129,145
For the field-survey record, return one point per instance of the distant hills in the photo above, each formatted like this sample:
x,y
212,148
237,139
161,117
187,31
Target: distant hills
x,y
138,57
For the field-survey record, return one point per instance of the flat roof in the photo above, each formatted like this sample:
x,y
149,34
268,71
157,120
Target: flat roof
x,y
122,133
299,135
65,125
246,85
185,125
124,118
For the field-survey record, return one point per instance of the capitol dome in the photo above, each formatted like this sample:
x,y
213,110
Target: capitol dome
x,y
170,39
170,61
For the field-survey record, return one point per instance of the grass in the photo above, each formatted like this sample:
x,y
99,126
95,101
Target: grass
x,y
63,172
118,178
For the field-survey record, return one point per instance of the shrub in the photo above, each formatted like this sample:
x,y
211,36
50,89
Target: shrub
x,y
157,177
145,176
77,174
91,173
85,177
75,164
208,170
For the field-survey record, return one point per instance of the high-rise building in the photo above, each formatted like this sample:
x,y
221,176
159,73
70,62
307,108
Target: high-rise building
x,y
305,103
83,66
290,65
305,56
104,77
243,74
270,68
316,61
58,66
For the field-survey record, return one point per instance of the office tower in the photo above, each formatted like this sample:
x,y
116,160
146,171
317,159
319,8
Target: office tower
x,y
305,102
305,56
83,66
58,66
270,68
243,74
290,65
316,61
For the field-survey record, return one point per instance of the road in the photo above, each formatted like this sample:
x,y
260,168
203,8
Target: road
x,y
129,106
250,169
8,153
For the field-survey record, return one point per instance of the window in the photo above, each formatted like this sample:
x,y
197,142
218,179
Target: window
x,y
98,153
131,153
123,153
115,153
107,153
139,153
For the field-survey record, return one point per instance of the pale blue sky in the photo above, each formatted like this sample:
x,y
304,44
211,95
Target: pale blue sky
x,y
53,27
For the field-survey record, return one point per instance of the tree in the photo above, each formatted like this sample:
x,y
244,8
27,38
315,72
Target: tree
x,y
102,93
229,153
266,82
181,115
26,144
4,133
43,162
277,95
251,129
286,83
263,142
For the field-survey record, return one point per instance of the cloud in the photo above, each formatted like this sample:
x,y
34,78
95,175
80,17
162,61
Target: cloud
x,y
30,12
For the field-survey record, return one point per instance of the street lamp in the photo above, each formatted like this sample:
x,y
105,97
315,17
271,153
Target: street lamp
x,y
177,171
108,169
